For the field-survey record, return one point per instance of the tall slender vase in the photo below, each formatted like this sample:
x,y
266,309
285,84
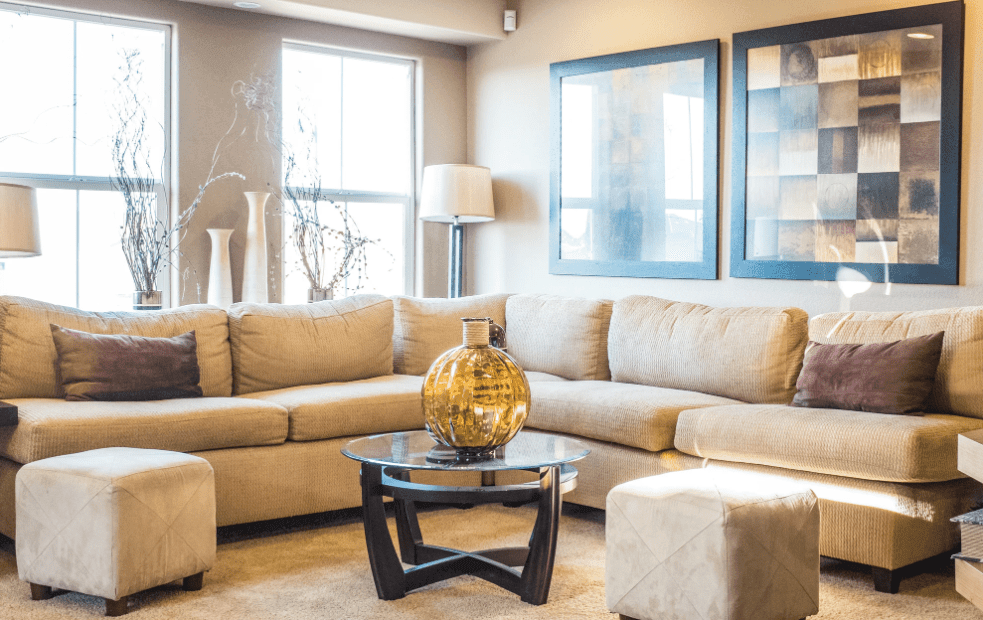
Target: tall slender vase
x,y
220,268
255,271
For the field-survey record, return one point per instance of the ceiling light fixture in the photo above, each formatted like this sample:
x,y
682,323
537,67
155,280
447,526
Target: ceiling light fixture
x,y
246,5
920,35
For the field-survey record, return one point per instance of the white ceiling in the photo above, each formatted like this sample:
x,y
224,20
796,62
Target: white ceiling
x,y
461,22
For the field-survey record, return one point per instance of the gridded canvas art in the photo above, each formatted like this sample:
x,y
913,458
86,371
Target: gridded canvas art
x,y
844,163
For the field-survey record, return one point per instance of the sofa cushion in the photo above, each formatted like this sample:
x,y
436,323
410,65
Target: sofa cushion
x,y
564,336
28,358
425,328
377,405
749,354
855,444
50,427
276,346
640,416
957,387
533,376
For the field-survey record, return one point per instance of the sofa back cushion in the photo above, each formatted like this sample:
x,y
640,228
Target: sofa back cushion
x,y
563,336
749,354
276,346
28,359
957,388
425,328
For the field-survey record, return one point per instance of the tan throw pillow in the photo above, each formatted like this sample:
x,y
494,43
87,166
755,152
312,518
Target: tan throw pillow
x,y
121,367
887,377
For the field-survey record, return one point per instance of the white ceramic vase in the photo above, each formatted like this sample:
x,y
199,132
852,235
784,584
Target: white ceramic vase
x,y
255,270
220,269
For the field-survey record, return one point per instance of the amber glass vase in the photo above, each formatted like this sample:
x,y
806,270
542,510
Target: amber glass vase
x,y
475,397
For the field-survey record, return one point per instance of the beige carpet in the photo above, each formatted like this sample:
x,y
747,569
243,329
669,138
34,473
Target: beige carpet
x,y
318,568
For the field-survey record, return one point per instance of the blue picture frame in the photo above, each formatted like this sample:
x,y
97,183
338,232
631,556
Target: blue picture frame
x,y
754,256
705,267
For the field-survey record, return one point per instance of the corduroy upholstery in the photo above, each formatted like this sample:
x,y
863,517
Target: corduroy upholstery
x,y
748,354
276,346
957,380
365,407
51,427
856,444
563,336
28,356
640,416
426,328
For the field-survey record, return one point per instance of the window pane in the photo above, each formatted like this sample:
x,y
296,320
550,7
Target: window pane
x,y
104,278
383,222
384,273
312,100
376,126
36,106
101,62
51,276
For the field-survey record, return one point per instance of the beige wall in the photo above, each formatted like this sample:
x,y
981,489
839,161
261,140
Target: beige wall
x,y
508,131
214,48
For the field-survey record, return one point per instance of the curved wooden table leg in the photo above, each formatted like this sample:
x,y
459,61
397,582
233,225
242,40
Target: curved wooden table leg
x,y
538,571
390,581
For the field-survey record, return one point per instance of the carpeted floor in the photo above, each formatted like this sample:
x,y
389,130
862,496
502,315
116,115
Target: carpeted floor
x,y
317,568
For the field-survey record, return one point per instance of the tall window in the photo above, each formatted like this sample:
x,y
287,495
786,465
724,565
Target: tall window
x,y
348,122
58,72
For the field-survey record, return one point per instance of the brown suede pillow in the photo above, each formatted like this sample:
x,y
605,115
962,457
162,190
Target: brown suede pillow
x,y
121,367
889,377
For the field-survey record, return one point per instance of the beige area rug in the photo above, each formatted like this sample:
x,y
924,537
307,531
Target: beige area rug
x,y
317,568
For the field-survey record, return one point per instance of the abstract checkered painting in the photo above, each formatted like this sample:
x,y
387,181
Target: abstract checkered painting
x,y
843,148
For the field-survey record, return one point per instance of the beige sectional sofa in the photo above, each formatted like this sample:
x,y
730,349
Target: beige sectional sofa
x,y
650,385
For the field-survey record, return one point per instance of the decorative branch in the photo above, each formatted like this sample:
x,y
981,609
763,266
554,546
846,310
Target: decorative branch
x,y
148,242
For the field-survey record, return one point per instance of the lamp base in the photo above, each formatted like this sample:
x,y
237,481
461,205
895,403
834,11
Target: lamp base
x,y
455,260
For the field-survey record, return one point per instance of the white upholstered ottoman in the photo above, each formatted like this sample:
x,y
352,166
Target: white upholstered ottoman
x,y
707,544
115,521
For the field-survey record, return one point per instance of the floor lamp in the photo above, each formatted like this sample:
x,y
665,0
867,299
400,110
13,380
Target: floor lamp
x,y
456,194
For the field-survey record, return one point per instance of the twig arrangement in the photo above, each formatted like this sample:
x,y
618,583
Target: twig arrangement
x,y
148,242
317,243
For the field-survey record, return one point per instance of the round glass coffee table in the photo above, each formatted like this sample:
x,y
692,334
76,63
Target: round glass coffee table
x,y
387,461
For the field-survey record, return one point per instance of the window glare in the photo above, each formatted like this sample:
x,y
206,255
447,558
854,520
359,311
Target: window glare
x,y
60,60
38,120
361,111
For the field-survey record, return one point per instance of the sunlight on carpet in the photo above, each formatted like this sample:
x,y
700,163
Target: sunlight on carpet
x,y
317,567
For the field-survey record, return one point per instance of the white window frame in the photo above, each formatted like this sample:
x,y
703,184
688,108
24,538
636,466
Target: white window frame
x,y
408,200
91,183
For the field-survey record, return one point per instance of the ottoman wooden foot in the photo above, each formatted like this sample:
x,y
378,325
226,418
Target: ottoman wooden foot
x,y
116,608
39,592
194,582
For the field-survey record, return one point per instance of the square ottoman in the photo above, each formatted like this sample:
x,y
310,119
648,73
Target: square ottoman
x,y
115,521
707,544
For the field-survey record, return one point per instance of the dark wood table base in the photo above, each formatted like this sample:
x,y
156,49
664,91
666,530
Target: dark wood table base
x,y
432,563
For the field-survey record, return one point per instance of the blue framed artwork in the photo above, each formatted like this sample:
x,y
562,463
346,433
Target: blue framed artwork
x,y
633,180
847,147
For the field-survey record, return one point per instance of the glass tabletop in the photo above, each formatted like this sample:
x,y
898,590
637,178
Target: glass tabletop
x,y
411,450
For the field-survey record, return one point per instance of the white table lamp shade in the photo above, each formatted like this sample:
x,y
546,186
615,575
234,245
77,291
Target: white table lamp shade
x,y
20,234
457,190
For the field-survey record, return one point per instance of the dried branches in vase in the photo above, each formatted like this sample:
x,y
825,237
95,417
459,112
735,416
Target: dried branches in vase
x,y
149,242
320,245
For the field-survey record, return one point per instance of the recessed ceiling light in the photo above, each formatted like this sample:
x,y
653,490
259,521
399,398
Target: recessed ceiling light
x,y
246,5
920,35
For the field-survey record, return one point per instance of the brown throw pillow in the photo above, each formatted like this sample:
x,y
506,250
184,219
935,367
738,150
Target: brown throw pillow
x,y
121,367
889,377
